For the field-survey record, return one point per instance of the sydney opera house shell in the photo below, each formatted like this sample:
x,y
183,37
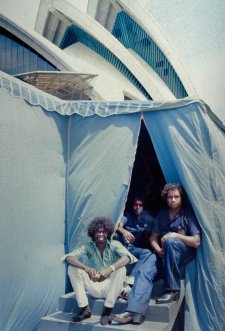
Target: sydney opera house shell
x,y
94,49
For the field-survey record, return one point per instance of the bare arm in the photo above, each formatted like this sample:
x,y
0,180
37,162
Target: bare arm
x,y
191,241
154,242
126,234
124,260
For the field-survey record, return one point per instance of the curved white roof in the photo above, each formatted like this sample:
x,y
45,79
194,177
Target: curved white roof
x,y
152,84
147,22
55,16
65,61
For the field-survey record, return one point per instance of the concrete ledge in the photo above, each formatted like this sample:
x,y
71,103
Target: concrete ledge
x,y
157,312
67,302
160,317
62,322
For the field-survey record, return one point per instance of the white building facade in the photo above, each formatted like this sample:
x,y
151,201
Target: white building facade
x,y
115,45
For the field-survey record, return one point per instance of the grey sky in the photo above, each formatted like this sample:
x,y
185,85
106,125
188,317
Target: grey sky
x,y
196,28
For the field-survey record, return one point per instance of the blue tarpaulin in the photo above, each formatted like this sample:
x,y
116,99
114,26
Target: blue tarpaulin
x,y
64,162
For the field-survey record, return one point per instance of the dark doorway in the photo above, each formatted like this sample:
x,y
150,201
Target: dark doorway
x,y
147,178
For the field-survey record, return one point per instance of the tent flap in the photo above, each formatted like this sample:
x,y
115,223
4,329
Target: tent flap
x,y
32,213
190,149
100,165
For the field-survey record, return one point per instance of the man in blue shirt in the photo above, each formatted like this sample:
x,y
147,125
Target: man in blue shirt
x,y
99,268
175,237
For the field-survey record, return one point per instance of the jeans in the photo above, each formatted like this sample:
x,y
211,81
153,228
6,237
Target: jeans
x,y
176,254
144,273
149,265
142,254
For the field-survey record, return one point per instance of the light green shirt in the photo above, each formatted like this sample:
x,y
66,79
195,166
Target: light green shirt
x,y
90,255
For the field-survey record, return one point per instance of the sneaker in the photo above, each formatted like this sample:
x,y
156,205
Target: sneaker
x,y
130,280
125,291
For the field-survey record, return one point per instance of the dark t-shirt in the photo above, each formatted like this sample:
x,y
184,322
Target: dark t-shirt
x,y
139,226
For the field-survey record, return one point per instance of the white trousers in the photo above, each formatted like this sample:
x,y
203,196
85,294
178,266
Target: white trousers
x,y
109,289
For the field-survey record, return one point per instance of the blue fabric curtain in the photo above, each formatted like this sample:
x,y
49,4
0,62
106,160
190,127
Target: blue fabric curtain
x,y
32,204
190,149
101,157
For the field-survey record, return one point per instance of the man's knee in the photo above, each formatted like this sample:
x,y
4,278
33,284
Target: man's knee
x,y
145,252
150,267
120,272
174,243
174,248
170,243
75,272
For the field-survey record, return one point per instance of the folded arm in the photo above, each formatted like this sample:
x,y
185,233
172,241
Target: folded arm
x,y
191,241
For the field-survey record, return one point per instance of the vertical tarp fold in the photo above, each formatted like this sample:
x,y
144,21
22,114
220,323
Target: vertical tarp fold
x,y
32,205
101,158
190,149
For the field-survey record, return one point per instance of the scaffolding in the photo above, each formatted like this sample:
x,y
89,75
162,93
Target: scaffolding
x,y
64,85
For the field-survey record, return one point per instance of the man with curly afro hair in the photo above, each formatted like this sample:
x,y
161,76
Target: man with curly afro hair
x,y
101,222
98,267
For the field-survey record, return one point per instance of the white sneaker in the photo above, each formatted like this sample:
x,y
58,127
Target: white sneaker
x,y
130,280
125,291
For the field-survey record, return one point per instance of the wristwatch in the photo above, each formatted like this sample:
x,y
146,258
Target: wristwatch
x,y
112,267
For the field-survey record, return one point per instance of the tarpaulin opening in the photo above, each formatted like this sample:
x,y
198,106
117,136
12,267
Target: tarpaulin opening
x,y
147,178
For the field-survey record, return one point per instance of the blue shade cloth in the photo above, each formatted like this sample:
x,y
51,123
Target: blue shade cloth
x,y
32,204
62,163
190,149
101,157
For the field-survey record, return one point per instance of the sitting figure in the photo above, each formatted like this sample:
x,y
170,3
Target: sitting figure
x,y
103,272
135,227
133,231
175,237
